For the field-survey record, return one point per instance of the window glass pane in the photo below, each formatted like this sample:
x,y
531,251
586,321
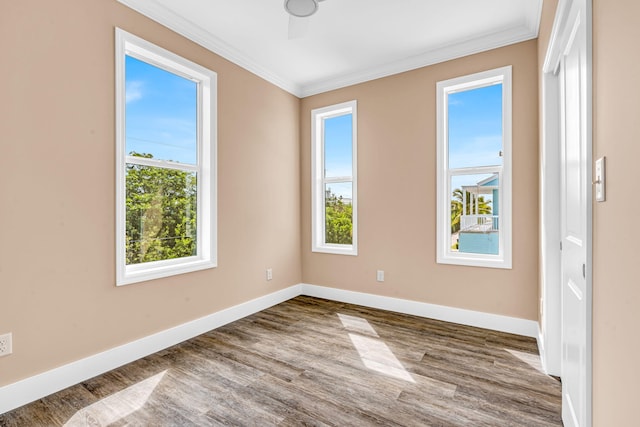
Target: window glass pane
x,y
475,127
161,113
475,213
338,213
338,152
160,214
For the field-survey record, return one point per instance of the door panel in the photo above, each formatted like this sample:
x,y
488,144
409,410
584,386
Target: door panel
x,y
574,198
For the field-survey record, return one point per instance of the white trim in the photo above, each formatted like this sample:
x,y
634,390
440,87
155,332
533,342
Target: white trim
x,y
444,254
436,56
318,180
550,237
495,322
526,31
543,353
206,257
556,41
552,304
38,386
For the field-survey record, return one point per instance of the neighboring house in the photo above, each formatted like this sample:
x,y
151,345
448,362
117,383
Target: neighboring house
x,y
479,233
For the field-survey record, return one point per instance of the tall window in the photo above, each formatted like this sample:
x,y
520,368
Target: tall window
x,y
334,188
474,169
166,144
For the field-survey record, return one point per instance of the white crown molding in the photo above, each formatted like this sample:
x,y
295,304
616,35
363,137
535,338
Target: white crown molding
x,y
435,56
153,10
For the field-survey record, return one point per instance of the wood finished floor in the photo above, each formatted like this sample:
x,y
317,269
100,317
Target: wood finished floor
x,y
314,362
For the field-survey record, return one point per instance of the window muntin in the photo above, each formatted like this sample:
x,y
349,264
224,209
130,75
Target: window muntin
x,y
474,170
165,162
334,201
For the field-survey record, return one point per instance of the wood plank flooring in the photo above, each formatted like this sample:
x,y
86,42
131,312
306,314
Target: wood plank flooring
x,y
312,362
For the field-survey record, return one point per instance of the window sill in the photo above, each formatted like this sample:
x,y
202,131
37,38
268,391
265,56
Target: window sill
x,y
475,261
159,269
336,249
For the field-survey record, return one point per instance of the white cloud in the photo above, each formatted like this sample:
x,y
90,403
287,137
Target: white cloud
x,y
134,91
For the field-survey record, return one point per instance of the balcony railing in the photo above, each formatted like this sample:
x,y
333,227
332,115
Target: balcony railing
x,y
479,223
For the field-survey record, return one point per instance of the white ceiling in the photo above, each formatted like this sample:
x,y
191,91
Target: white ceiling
x,y
348,41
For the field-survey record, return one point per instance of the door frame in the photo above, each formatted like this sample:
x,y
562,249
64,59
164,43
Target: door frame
x,y
550,183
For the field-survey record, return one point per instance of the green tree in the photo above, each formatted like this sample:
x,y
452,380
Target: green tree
x,y
457,200
161,206
338,220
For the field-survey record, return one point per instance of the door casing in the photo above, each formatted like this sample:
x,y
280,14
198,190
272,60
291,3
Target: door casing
x,y
550,182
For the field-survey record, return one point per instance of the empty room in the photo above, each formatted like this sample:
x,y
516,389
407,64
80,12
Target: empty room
x,y
319,212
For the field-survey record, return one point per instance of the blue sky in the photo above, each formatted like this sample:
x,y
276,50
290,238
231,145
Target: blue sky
x,y
338,155
475,129
337,146
161,113
475,132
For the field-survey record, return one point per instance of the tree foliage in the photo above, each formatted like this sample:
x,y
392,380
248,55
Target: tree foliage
x,y
161,211
338,220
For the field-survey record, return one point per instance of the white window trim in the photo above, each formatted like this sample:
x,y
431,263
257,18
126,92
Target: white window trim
x,y
318,180
444,253
206,257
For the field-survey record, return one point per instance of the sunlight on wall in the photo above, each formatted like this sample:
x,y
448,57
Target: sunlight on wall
x,y
374,353
117,406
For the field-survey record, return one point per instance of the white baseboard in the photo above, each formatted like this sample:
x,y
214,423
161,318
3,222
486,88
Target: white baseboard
x,y
541,349
478,319
36,387
33,388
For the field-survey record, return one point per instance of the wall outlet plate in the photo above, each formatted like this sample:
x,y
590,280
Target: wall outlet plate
x,y
6,347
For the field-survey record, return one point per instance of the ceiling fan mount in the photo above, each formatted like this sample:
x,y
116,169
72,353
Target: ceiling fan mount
x,y
301,8
299,12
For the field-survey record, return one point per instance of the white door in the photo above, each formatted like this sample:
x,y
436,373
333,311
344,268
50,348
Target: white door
x,y
575,223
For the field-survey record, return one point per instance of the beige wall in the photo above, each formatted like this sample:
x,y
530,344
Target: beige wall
x,y
397,192
616,281
57,268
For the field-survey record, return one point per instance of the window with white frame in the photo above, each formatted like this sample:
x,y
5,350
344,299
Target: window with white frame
x,y
334,179
474,169
165,160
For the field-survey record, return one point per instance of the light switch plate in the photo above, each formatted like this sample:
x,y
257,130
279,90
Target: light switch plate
x,y
600,180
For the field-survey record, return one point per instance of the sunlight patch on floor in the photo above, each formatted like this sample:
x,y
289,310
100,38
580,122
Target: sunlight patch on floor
x,y
374,353
357,324
117,406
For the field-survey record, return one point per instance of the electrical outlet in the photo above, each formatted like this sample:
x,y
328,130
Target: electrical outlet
x,y
380,275
5,344
269,274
